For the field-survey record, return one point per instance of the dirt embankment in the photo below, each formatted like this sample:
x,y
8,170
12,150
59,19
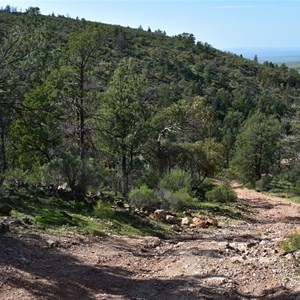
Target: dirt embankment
x,y
240,260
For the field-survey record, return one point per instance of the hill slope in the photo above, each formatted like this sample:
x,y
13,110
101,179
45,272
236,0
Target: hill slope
x,y
240,260
147,117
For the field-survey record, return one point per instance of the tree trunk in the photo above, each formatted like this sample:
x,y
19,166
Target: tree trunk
x,y
125,176
3,162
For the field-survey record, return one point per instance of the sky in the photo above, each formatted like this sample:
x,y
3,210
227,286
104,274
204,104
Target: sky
x,y
223,24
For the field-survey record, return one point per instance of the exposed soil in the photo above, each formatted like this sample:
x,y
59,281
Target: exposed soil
x,y
239,260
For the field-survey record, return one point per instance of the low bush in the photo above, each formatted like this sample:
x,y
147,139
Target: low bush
x,y
221,193
176,180
174,190
203,188
292,242
103,209
143,197
263,184
179,200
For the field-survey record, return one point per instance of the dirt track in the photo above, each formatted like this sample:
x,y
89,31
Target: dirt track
x,y
237,261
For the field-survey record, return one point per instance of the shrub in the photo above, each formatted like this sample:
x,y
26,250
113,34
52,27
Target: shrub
x,y
292,242
77,173
176,180
79,206
203,188
178,200
174,190
151,180
264,183
143,197
221,193
103,209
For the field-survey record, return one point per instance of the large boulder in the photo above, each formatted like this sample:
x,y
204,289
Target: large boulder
x,y
5,209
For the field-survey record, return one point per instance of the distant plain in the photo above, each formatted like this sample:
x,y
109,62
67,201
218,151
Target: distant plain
x,y
288,56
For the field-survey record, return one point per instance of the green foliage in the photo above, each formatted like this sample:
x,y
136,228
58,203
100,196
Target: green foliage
x,y
103,209
54,217
202,158
257,147
78,97
205,186
174,190
144,197
176,180
221,193
175,200
79,206
292,242
124,119
264,184
77,173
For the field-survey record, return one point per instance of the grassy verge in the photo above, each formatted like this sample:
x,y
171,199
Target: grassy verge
x,y
54,215
285,189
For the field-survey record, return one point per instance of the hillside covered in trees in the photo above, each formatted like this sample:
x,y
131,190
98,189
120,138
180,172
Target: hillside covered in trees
x,y
138,113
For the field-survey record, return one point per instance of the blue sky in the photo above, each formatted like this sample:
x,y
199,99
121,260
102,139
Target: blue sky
x,y
221,23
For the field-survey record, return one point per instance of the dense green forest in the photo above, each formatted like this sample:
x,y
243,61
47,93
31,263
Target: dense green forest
x,y
145,116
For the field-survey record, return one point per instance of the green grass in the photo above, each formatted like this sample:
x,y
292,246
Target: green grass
x,y
285,189
54,215
232,210
292,242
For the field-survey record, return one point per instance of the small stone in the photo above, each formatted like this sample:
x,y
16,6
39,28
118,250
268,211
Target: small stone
x,y
199,223
211,222
223,245
251,244
160,214
171,219
176,228
153,242
52,243
186,221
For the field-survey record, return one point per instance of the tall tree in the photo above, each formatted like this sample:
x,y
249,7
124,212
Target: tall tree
x,y
257,147
124,116
61,116
19,51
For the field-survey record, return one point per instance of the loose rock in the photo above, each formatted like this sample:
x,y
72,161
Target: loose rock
x,y
160,214
186,221
171,219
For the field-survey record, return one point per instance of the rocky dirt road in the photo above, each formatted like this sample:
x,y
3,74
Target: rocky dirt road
x,y
239,260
